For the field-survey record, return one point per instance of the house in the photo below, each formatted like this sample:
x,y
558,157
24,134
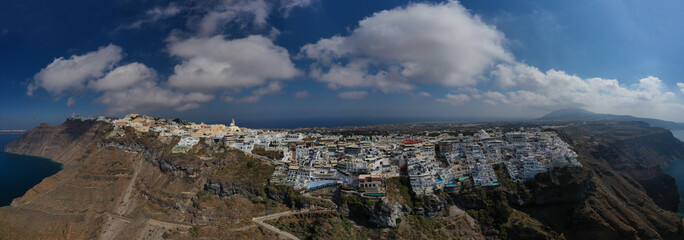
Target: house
x,y
370,183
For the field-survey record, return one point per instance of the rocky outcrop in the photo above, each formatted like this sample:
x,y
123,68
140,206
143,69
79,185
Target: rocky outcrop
x,y
432,206
127,147
229,189
375,213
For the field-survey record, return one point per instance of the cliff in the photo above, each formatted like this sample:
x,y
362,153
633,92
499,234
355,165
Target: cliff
x,y
608,199
122,184
119,184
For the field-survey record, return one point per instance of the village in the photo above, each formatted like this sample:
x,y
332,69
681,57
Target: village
x,y
311,161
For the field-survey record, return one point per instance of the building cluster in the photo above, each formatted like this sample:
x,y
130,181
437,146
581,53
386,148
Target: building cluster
x,y
362,163
190,133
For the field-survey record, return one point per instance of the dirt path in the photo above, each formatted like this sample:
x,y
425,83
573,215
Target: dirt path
x,y
167,225
241,228
320,198
116,222
261,221
126,199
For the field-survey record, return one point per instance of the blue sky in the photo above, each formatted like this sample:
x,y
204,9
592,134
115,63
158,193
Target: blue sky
x,y
288,63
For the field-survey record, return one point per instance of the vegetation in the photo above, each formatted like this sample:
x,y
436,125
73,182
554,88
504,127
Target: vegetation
x,y
194,231
243,169
272,154
399,188
323,226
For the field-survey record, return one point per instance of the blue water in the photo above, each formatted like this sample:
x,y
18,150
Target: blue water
x,y
19,173
676,170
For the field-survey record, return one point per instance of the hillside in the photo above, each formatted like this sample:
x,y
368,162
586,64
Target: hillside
x,y
577,114
122,184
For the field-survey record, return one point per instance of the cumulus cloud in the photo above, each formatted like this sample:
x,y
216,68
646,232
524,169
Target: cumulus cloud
x,y
528,86
214,63
353,95
356,74
256,11
66,74
148,96
418,44
125,88
123,77
405,48
301,94
455,99
681,87
257,94
198,97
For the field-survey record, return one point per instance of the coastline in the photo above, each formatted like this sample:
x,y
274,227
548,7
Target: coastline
x,y
676,170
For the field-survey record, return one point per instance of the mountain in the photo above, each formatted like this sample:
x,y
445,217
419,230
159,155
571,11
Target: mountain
x,y
577,114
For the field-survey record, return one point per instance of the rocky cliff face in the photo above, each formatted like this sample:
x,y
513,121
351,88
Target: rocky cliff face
x,y
119,184
608,199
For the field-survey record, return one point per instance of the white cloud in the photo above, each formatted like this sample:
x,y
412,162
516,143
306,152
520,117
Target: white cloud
x,y
67,74
354,95
143,98
186,107
256,11
71,101
443,44
273,87
123,77
127,88
681,87
257,94
455,99
494,97
288,5
356,74
527,86
228,99
301,94
198,97
418,44
156,14
214,63
424,94
148,96
244,12
420,94
248,99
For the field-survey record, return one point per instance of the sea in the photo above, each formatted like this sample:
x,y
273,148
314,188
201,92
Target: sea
x,y
19,173
676,170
